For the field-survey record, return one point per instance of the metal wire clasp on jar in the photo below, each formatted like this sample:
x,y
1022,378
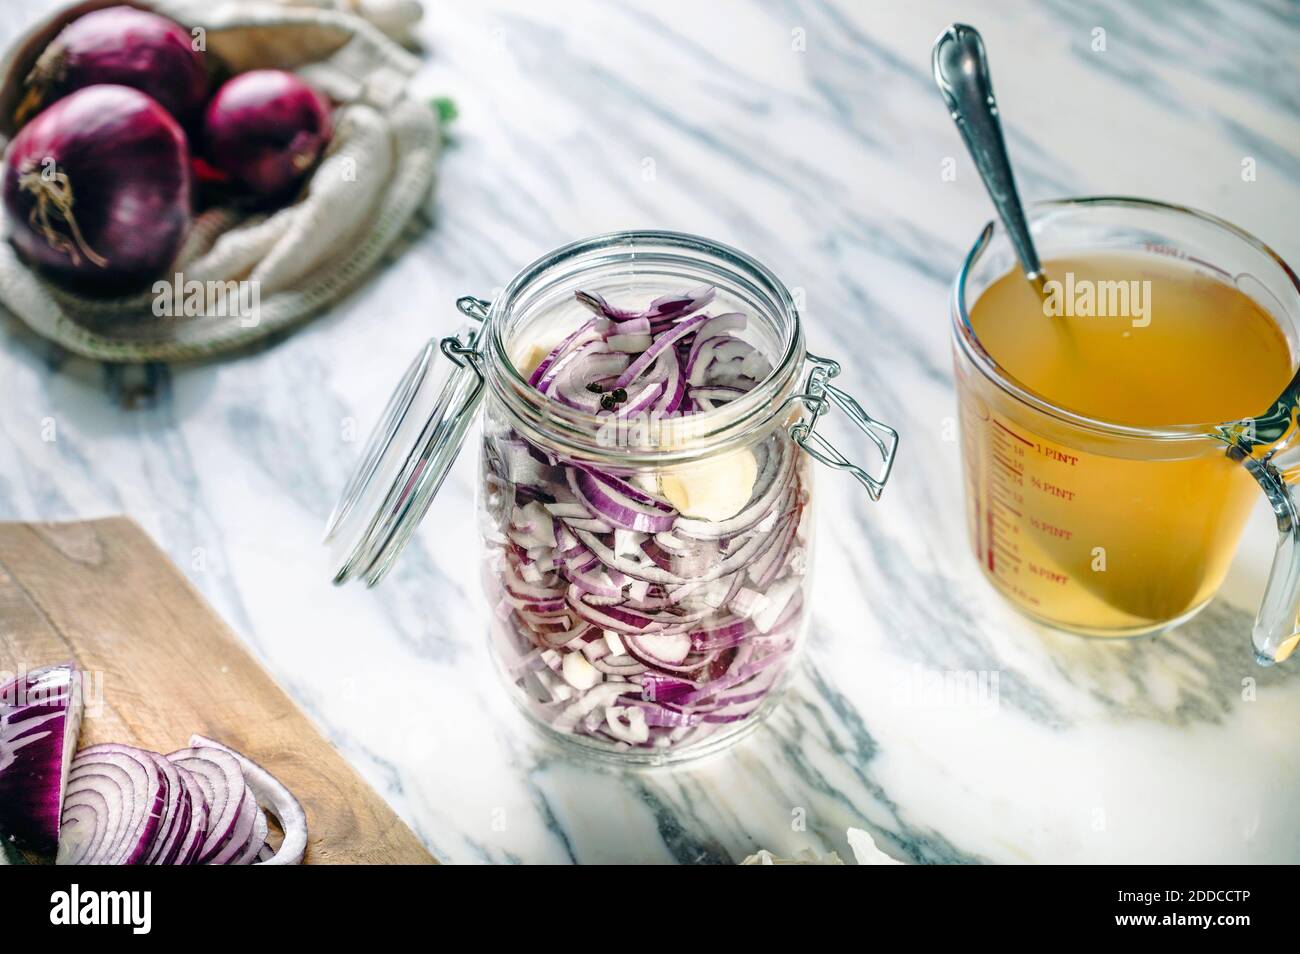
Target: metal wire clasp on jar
x,y
645,492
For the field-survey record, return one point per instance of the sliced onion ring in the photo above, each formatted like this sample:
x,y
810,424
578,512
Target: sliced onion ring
x,y
275,798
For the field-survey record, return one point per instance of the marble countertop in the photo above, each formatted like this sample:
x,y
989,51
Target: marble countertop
x,y
810,135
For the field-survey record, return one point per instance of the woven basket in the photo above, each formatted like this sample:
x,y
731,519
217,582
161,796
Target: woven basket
x,y
377,173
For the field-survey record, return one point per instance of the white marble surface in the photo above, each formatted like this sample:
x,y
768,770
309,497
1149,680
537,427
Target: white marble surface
x,y
824,162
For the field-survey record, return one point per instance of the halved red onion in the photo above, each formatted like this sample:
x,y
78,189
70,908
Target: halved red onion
x,y
121,805
40,717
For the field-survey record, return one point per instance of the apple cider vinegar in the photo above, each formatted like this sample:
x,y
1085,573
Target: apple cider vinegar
x,y
1082,528
1185,349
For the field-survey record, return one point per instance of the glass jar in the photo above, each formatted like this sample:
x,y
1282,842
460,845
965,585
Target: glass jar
x,y
647,567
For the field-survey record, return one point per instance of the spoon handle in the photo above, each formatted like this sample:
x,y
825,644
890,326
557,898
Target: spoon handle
x,y
962,72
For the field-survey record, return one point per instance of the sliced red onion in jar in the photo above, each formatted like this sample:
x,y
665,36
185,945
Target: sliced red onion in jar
x,y
619,504
648,609
663,307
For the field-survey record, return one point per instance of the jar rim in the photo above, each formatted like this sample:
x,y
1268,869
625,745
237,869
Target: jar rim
x,y
709,431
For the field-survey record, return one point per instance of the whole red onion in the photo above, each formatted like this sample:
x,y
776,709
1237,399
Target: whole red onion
x,y
266,129
97,189
125,46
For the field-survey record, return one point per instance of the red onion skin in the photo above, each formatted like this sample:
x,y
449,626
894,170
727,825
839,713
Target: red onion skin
x,y
266,129
126,47
123,163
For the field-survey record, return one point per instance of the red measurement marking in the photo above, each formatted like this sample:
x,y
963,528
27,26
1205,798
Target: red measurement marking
x,y
1050,529
997,498
1009,554
1008,464
1014,434
1053,490
1045,573
1051,453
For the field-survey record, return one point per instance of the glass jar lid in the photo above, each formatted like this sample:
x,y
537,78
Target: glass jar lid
x,y
407,456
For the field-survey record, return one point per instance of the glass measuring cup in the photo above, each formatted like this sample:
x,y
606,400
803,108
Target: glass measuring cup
x,y
1114,530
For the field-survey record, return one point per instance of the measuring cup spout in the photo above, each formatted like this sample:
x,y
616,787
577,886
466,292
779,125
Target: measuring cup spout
x,y
1269,447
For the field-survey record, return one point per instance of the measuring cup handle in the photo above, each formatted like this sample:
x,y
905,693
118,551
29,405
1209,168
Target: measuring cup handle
x,y
1274,461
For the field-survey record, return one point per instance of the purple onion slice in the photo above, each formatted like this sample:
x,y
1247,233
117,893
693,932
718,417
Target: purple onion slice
x,y
218,775
275,798
115,801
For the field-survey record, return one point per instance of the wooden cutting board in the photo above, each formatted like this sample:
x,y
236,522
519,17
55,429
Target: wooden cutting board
x,y
165,667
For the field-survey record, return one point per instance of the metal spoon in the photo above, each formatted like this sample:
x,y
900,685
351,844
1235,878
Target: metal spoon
x,y
962,72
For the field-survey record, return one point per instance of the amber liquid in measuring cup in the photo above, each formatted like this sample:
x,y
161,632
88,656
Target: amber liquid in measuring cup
x,y
1088,532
